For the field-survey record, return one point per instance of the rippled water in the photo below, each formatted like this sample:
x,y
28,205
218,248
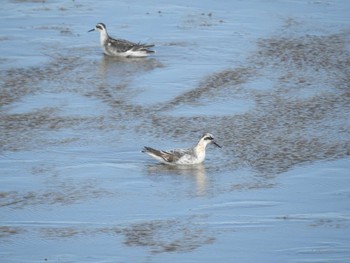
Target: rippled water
x,y
269,79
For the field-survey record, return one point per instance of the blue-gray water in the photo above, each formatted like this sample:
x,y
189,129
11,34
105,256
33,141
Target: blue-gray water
x,y
270,79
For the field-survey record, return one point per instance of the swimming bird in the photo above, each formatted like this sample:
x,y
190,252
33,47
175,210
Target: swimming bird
x,y
186,156
120,47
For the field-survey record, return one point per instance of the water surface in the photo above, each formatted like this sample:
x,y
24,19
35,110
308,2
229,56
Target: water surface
x,y
269,79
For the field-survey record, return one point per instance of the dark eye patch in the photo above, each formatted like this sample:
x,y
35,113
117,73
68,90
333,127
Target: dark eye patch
x,y
208,138
99,27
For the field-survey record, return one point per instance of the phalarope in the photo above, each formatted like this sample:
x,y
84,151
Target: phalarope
x,y
187,156
120,47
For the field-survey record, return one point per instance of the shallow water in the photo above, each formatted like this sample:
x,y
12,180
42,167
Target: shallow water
x,y
269,79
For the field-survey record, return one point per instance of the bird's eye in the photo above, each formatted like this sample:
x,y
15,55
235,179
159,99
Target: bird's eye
x,y
209,138
99,27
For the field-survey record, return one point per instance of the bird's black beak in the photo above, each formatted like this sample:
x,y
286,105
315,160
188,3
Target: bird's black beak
x,y
217,145
91,30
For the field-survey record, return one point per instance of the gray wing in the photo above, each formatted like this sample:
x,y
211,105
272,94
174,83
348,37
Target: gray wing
x,y
181,153
171,156
122,45
166,156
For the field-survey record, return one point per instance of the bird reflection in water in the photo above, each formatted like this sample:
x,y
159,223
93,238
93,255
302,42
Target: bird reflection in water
x,y
123,67
193,172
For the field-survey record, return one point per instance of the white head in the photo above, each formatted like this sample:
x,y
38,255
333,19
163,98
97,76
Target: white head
x,y
100,27
208,138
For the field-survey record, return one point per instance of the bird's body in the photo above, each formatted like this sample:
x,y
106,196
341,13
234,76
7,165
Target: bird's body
x,y
120,47
185,156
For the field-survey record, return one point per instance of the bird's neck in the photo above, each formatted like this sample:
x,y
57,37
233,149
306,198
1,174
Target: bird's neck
x,y
199,150
103,37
